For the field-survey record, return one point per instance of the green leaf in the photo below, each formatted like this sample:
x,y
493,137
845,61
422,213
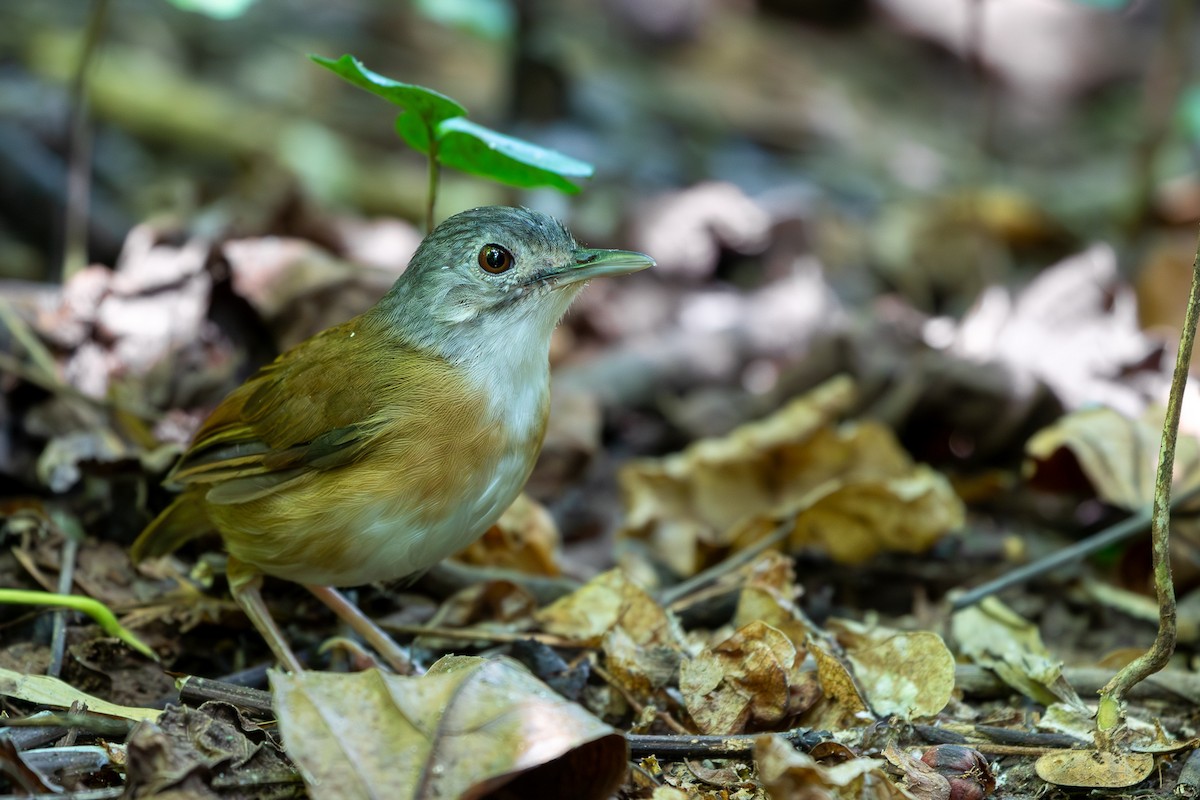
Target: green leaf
x,y
1189,113
426,103
1107,5
414,131
219,9
477,150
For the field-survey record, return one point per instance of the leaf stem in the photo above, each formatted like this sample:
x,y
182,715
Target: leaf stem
x,y
1111,713
93,608
434,174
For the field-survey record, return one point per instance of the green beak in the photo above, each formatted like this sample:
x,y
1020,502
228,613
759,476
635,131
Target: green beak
x,y
588,264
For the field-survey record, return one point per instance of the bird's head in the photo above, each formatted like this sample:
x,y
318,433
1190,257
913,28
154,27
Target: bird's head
x,y
493,274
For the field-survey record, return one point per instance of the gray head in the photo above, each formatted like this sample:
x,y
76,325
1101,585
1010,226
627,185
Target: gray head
x,y
494,272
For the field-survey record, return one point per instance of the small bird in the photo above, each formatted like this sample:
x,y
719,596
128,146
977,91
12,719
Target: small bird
x,y
378,447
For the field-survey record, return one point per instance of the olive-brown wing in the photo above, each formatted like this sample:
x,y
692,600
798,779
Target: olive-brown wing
x,y
314,407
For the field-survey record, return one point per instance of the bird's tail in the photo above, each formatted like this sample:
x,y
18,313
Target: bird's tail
x,y
179,522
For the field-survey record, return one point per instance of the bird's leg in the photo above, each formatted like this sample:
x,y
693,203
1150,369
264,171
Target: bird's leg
x,y
361,624
245,583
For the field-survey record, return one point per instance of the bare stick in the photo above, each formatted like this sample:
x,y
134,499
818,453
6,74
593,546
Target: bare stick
x,y
1111,712
1117,532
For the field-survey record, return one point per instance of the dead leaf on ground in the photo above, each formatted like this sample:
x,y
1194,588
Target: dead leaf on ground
x,y
842,704
908,674
787,772
605,602
497,605
524,539
196,751
851,489
47,691
1116,454
1094,769
689,229
770,595
468,726
994,636
752,679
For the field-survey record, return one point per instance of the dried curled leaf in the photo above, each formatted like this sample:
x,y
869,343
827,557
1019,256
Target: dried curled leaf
x,y
1116,454
750,679
605,602
467,727
851,489
787,772
994,636
907,674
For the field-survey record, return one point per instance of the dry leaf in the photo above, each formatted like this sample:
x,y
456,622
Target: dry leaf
x,y
994,636
640,669
842,704
788,773
47,691
905,674
605,602
188,750
770,595
1117,455
524,539
1094,769
465,728
748,680
692,506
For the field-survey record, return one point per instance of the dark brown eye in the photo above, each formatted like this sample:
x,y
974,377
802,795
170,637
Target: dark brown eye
x,y
495,259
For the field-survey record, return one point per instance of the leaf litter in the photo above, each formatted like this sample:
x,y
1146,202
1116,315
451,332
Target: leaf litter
x,y
865,432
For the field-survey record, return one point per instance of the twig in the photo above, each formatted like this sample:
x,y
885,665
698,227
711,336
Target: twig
x,y
481,634
197,690
1111,712
66,578
674,594
1118,532
674,748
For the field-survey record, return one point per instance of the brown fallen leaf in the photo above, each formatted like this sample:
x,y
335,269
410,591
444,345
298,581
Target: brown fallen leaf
x,y
1117,455
851,490
908,674
605,602
466,728
788,773
752,679
1094,769
843,703
770,595
524,539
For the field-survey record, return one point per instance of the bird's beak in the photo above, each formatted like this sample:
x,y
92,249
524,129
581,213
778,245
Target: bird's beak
x,y
587,264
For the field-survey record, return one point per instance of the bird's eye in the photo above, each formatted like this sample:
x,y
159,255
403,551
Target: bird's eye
x,y
495,259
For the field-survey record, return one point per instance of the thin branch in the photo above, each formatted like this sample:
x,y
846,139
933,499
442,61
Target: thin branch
x,y
1111,712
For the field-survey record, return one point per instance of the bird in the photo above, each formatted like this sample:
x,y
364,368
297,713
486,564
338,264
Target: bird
x,y
380,446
